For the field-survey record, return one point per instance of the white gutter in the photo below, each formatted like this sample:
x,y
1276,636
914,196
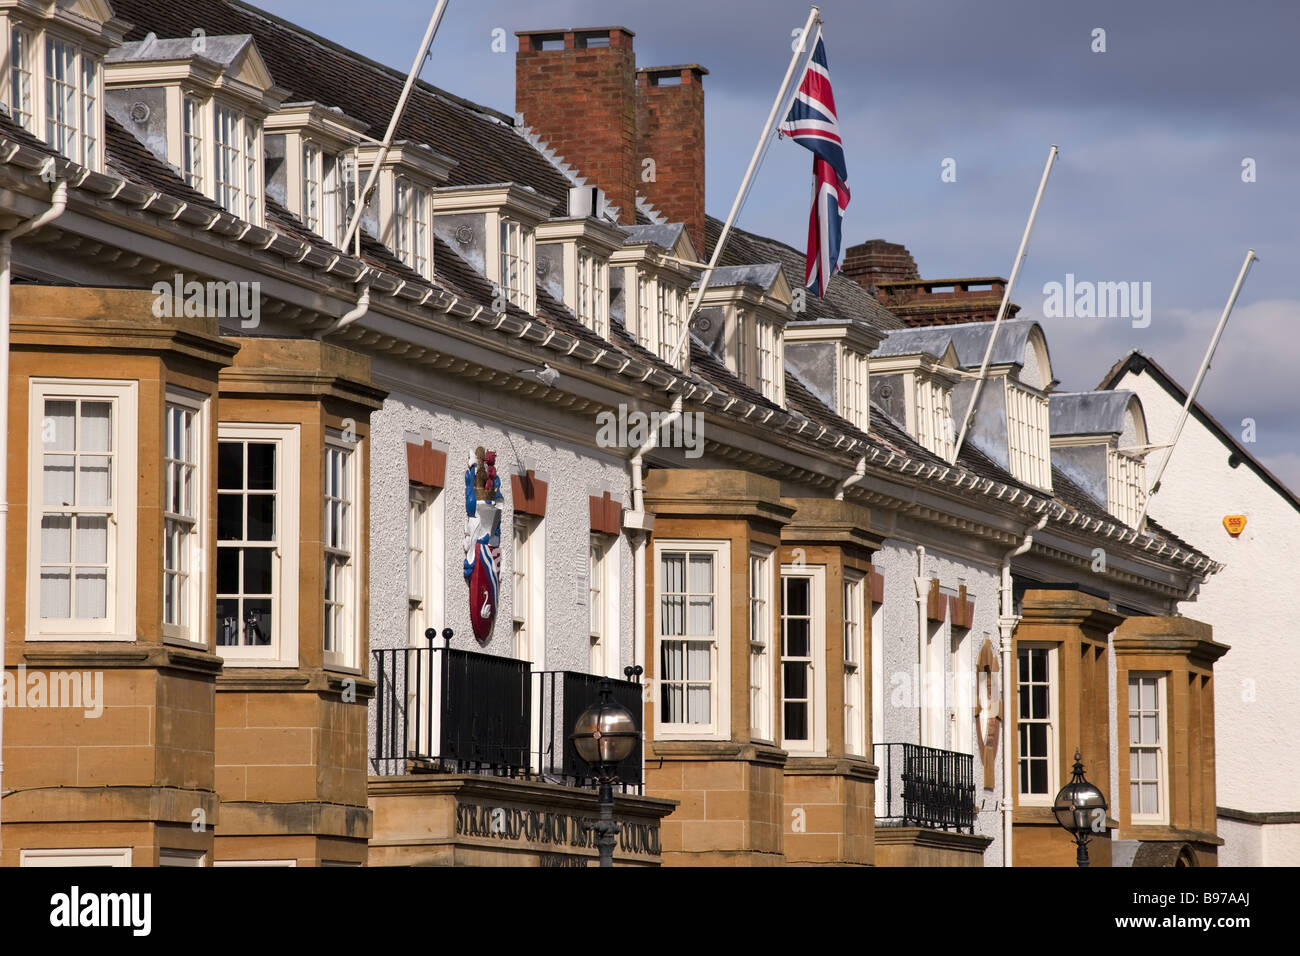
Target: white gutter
x,y
1007,621
58,203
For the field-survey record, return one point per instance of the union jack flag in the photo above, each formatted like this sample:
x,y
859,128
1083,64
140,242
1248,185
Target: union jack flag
x,y
813,124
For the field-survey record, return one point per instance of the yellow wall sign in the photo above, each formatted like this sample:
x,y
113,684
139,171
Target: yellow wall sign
x,y
1235,524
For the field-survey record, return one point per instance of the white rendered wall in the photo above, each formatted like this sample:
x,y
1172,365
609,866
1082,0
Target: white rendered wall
x,y
1253,606
572,475
896,562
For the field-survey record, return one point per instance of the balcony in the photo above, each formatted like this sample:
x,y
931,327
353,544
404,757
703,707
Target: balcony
x,y
924,787
440,710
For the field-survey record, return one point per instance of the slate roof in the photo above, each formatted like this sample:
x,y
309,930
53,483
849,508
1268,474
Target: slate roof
x,y
1088,413
665,235
487,148
969,340
221,50
759,276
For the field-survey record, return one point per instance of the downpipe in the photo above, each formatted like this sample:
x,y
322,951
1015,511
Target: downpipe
x,y
58,203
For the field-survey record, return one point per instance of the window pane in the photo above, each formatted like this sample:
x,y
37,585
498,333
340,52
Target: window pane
x,y
56,539
92,539
261,465
230,465
56,594
92,593
701,617
257,570
230,517
796,721
261,517
57,480
797,595
228,570
96,426
58,432
93,481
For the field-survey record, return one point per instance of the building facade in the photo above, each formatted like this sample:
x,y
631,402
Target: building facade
x,y
352,534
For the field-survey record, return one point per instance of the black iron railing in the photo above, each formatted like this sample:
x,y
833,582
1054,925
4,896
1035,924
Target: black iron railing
x,y
454,711
450,710
561,697
925,787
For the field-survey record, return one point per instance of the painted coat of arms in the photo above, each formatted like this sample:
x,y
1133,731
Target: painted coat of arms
x,y
483,503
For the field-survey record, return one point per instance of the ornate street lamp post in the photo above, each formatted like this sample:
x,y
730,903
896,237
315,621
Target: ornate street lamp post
x,y
604,735
1081,809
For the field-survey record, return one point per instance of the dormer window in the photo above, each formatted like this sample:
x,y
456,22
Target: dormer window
x,y
54,79
1027,436
411,230
494,229
650,280
201,111
1099,441
237,179
593,298
830,356
748,308
516,264
310,165
934,424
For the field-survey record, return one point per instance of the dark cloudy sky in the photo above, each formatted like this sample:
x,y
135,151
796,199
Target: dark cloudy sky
x,y
1148,186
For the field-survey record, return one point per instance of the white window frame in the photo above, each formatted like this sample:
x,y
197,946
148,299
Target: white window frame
x,y
1161,746
285,584
22,77
425,584
962,683
855,718
176,857
761,635
349,550
719,725
1028,441
592,298
194,589
603,587
668,318
313,186
119,622
1125,486
194,142
1052,723
515,249
815,745
528,567
77,856
933,415
411,226
74,130
241,196
854,395
644,294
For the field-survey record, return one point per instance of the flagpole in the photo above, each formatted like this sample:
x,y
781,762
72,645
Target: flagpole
x,y
432,29
804,50
1006,301
1200,377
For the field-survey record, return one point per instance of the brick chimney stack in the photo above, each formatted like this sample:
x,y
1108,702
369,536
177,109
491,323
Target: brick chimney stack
x,y
878,261
577,90
670,131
